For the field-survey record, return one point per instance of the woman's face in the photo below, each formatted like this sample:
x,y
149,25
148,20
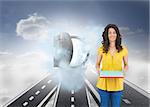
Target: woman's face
x,y
112,35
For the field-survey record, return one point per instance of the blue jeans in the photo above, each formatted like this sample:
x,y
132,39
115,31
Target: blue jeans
x,y
108,98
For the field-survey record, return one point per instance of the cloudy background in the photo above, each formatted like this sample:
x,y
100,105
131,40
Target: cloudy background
x,y
27,29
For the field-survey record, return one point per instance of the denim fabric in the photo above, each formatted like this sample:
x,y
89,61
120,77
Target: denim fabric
x,y
110,98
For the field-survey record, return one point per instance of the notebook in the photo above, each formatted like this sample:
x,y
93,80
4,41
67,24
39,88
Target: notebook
x,y
111,74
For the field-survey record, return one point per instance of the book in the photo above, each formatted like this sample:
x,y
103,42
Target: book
x,y
111,74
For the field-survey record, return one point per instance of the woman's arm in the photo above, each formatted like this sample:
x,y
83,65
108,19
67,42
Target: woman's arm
x,y
125,60
98,62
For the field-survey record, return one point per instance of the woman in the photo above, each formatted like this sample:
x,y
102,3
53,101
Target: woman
x,y
111,55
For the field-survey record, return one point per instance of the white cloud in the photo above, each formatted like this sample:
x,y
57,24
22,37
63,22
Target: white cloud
x,y
5,53
148,77
17,72
129,32
70,78
138,73
33,28
91,35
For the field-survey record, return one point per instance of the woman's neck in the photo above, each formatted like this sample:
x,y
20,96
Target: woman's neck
x,y
112,44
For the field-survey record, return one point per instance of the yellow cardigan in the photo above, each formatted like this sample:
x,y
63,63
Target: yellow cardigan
x,y
111,63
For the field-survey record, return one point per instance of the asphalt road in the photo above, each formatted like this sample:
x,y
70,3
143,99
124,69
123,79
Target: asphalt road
x,y
40,93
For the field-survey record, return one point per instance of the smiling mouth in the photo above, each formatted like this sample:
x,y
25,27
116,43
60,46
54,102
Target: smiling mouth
x,y
112,37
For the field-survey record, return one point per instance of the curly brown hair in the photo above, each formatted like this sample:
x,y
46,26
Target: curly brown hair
x,y
105,41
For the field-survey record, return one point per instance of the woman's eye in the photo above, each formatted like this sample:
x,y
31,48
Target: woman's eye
x,y
114,32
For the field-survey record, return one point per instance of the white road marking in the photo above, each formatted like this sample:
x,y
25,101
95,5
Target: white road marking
x,y
56,96
88,97
38,92
126,101
25,103
48,95
72,105
72,91
49,81
93,89
140,90
72,99
43,86
31,98
24,91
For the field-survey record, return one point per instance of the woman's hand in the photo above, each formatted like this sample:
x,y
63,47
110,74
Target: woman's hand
x,y
98,69
125,70
98,61
125,60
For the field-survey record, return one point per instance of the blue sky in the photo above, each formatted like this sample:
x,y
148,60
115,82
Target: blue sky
x,y
130,14
27,28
